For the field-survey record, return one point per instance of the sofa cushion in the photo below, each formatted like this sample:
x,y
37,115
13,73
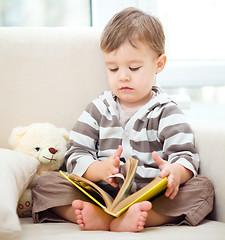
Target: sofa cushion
x,y
207,230
16,172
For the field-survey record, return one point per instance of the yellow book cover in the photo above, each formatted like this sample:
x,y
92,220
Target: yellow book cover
x,y
123,200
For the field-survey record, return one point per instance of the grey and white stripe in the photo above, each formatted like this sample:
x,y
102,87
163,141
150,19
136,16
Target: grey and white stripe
x,y
158,126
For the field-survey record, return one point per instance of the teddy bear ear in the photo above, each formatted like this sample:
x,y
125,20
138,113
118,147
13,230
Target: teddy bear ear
x,y
64,133
16,135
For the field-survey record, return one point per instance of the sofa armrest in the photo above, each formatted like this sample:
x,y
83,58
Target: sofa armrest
x,y
210,142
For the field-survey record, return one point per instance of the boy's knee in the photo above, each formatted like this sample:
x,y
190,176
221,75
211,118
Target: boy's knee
x,y
203,185
49,177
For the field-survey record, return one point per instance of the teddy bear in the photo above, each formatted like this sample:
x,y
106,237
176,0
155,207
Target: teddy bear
x,y
47,144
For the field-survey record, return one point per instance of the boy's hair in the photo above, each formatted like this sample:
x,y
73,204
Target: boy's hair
x,y
132,25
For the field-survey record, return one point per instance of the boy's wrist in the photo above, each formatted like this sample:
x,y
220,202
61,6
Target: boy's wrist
x,y
185,174
95,171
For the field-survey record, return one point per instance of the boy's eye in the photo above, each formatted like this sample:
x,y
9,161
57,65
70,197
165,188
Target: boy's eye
x,y
134,69
113,69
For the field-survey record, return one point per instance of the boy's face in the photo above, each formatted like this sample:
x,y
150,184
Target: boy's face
x,y
131,73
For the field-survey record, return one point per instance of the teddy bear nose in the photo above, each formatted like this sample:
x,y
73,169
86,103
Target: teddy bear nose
x,y
52,150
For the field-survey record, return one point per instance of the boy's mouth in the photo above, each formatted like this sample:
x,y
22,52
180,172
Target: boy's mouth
x,y
126,88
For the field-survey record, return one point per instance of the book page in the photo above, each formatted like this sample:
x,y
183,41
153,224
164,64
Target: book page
x,y
131,167
119,178
153,189
90,186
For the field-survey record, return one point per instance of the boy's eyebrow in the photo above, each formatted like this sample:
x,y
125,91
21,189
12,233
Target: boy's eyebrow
x,y
132,61
109,62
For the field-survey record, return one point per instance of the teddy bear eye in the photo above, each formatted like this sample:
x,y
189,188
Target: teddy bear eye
x,y
37,149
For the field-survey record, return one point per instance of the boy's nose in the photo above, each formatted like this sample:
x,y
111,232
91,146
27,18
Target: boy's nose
x,y
124,76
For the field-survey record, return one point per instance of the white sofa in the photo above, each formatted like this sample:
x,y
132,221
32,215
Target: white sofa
x,y
49,75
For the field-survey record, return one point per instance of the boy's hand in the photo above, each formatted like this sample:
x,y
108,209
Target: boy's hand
x,y
112,165
175,173
100,170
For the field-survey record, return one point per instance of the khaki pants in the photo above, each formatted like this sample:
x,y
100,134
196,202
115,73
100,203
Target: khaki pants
x,y
194,200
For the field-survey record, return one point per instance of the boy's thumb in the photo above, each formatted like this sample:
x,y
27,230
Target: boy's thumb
x,y
118,152
159,161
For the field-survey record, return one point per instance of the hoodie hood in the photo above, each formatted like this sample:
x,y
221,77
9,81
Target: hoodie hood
x,y
159,98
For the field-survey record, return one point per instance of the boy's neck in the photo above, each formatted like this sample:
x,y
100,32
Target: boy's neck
x,y
130,107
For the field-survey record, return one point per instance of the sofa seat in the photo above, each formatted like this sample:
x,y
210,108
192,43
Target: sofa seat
x,y
207,230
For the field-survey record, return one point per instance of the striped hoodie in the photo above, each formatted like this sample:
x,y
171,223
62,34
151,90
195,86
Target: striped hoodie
x,y
157,126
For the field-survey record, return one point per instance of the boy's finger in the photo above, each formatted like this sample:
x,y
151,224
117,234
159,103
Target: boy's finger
x,y
113,182
164,172
116,163
159,161
118,152
174,193
169,191
115,171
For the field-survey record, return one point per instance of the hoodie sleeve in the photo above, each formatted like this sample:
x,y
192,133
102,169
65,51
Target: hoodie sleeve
x,y
178,138
83,140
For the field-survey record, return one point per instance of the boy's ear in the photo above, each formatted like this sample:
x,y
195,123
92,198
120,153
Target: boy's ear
x,y
161,62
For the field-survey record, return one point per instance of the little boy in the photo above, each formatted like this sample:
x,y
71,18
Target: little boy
x,y
134,119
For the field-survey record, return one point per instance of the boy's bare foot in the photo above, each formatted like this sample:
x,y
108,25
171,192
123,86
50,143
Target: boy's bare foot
x,y
133,220
91,217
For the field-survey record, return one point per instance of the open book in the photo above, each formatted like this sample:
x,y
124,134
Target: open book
x,y
123,200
